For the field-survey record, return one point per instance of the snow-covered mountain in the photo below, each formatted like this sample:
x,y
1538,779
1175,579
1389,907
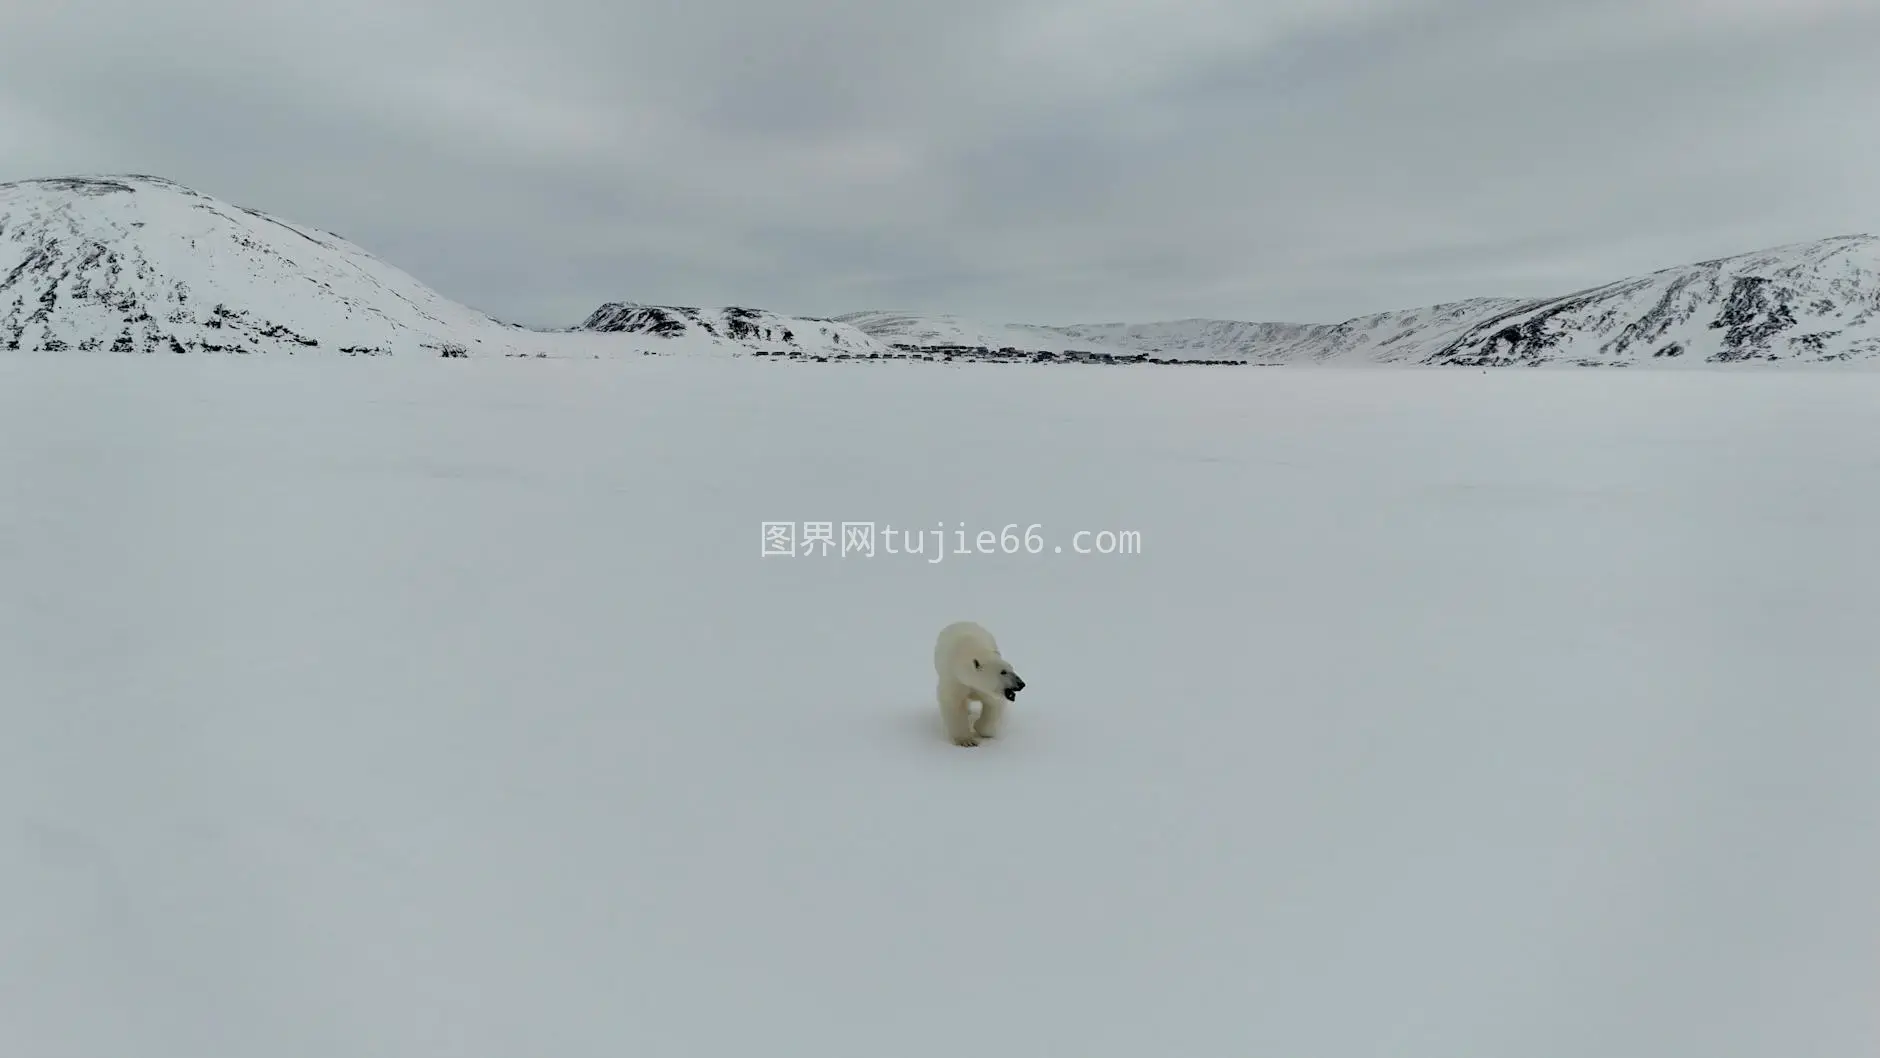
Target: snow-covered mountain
x,y
135,263
1805,302
143,264
1380,337
1384,337
755,329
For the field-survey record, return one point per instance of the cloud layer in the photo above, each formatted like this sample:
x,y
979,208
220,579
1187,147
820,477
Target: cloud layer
x,y
1038,160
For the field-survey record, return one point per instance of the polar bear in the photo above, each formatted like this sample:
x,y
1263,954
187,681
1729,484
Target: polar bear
x,y
970,668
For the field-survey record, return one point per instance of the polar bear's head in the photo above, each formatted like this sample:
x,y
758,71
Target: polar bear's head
x,y
992,676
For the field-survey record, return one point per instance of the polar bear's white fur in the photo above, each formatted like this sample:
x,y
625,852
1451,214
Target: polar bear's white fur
x,y
971,669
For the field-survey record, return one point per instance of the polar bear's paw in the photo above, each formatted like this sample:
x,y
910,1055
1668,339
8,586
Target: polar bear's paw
x,y
966,740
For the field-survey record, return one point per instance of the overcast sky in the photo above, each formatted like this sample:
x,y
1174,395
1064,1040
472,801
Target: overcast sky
x,y
1007,160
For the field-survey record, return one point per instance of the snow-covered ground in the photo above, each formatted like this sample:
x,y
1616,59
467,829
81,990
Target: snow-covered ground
x,y
449,708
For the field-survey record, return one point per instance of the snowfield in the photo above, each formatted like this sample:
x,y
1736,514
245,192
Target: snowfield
x,y
407,708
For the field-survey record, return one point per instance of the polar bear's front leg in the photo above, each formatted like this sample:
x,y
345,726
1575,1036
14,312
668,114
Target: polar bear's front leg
x,y
958,716
991,713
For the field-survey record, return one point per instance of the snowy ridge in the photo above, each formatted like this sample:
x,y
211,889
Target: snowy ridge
x,y
1383,337
755,329
1805,303
1814,301
1193,336
913,329
143,264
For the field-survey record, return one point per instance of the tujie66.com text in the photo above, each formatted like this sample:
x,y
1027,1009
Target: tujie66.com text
x,y
867,539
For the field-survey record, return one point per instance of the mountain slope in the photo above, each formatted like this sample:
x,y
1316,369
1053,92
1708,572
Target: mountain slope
x,y
1203,339
1383,337
1812,301
134,263
1804,302
143,264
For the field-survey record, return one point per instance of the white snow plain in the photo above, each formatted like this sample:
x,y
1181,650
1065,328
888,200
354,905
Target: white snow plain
x,y
377,707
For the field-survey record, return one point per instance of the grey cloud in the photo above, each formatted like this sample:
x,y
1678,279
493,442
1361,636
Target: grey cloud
x,y
1030,160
